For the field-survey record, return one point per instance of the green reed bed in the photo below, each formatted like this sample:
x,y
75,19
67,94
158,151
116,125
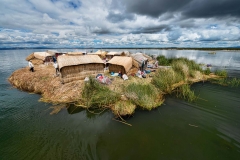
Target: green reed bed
x,y
165,78
232,82
163,61
207,71
222,73
123,108
98,95
184,92
145,96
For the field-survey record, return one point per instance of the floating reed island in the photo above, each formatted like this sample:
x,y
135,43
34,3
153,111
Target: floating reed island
x,y
77,83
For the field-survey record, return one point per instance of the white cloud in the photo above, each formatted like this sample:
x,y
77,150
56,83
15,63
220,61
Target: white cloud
x,y
66,22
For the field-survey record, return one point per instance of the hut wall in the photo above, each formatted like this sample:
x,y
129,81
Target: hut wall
x,y
136,64
79,72
116,68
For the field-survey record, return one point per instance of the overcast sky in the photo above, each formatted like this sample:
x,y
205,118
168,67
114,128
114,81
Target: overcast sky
x,y
119,23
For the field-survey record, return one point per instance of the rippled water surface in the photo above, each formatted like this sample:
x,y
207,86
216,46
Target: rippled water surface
x,y
206,129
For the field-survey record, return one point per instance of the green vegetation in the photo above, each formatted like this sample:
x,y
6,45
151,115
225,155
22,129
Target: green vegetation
x,y
165,78
123,108
190,63
163,61
222,73
181,70
232,82
185,93
96,95
207,71
145,96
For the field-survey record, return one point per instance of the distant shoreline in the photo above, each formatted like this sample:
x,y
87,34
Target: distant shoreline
x,y
170,48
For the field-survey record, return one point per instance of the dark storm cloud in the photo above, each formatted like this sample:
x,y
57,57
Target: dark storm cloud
x,y
119,17
212,8
152,29
189,8
101,31
153,8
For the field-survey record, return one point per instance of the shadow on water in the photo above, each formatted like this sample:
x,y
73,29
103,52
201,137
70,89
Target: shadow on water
x,y
72,109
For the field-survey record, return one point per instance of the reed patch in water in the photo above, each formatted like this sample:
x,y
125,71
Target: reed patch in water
x,y
145,96
186,93
222,73
232,82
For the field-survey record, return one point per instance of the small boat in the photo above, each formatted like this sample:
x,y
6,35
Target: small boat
x,y
211,52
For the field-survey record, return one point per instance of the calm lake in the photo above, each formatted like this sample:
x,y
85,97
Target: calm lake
x,y
206,129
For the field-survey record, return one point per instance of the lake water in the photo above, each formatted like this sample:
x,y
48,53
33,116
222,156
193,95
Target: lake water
x,y
206,129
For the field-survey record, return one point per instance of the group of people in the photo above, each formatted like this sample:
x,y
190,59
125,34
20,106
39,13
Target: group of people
x,y
55,64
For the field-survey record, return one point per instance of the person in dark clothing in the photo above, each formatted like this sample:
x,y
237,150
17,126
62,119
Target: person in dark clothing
x,y
54,59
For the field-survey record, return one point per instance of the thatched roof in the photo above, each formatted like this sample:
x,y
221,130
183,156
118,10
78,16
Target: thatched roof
x,y
127,53
52,51
39,55
148,57
99,53
30,56
139,57
126,62
42,55
74,53
115,53
64,61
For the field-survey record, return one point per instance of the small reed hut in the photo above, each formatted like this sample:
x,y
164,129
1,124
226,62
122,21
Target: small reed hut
x,y
100,53
74,54
120,63
78,67
55,52
40,57
139,60
110,55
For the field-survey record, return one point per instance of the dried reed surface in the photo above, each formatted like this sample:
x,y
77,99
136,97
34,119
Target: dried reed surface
x,y
43,81
131,92
36,61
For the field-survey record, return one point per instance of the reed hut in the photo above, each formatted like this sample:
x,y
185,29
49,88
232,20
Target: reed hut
x,y
110,55
74,53
120,63
55,52
139,60
126,53
40,57
100,53
78,67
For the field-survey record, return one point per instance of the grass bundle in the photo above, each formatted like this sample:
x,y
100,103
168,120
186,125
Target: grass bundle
x,y
186,93
207,71
222,73
163,61
185,67
145,96
123,108
97,95
232,82
165,78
